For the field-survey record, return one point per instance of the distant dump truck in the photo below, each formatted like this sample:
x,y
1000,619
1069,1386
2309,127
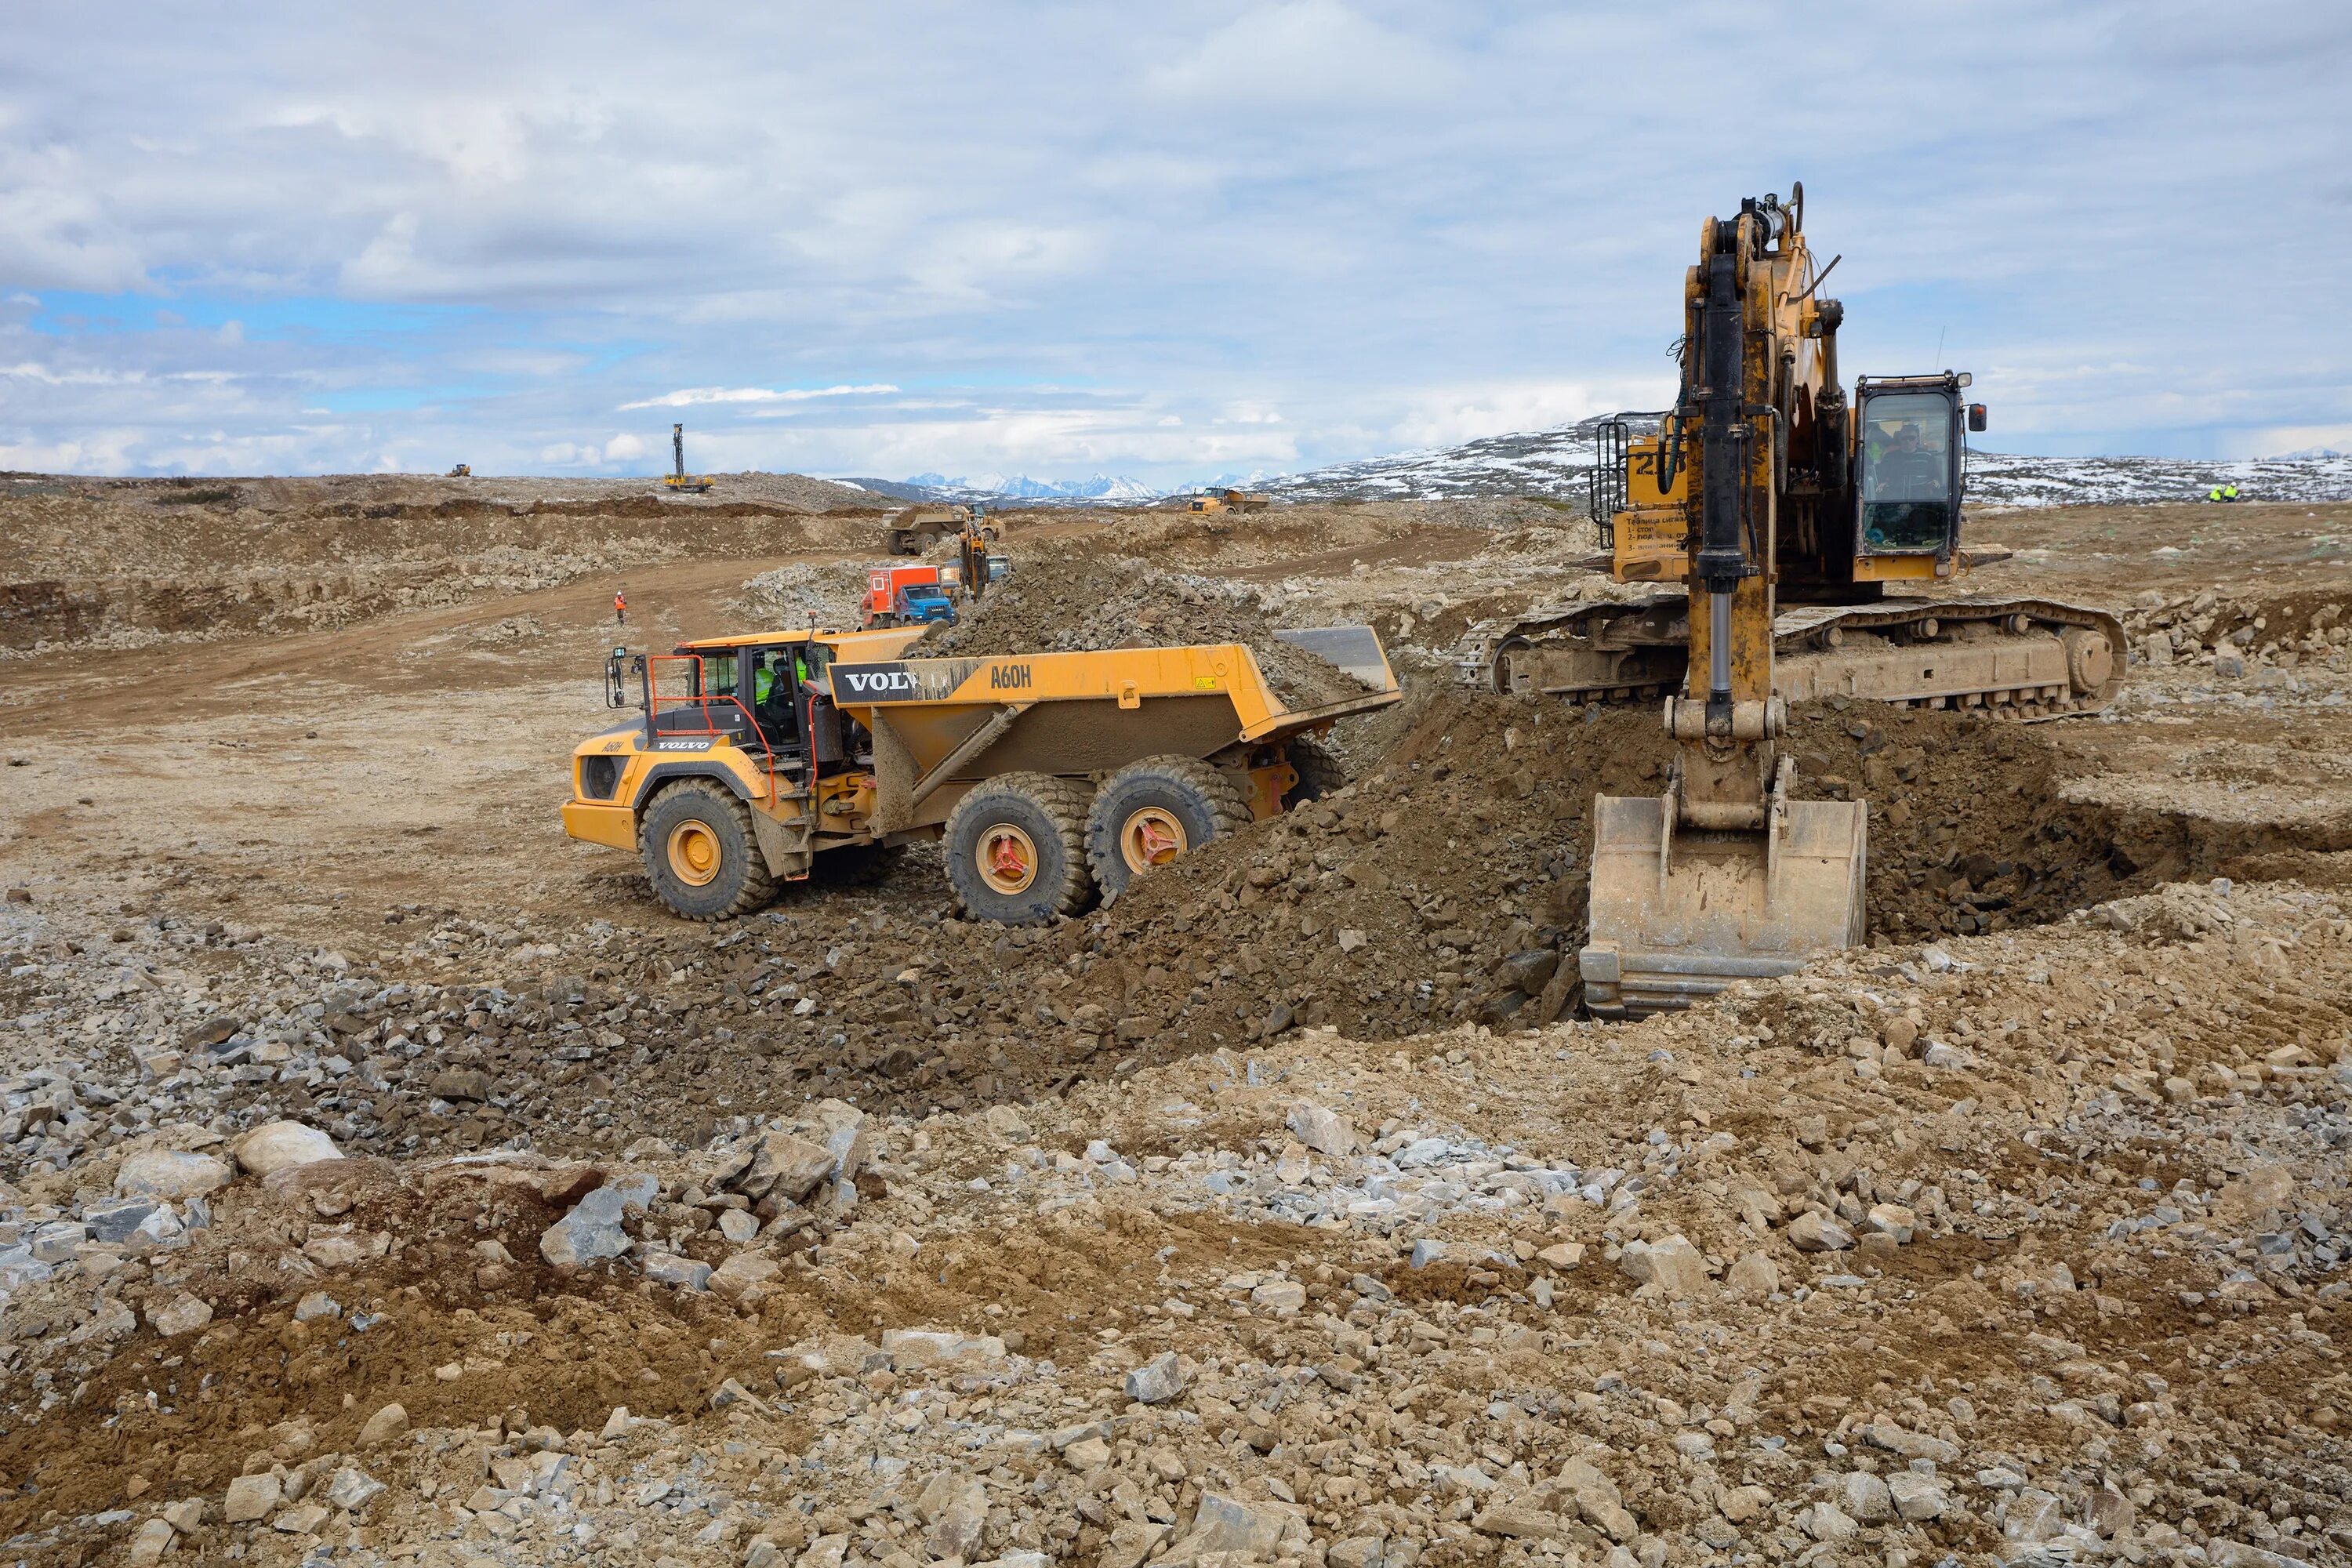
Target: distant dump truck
x,y
920,528
1050,777
1229,500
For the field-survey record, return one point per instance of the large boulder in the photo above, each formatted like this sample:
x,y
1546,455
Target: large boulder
x,y
282,1145
170,1174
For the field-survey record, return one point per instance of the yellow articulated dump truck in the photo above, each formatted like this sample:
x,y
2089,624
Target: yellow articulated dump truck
x,y
1051,777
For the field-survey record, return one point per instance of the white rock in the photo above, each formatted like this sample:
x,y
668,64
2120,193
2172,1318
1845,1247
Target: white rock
x,y
1755,1274
955,1507
921,1350
170,1175
1157,1381
318,1304
339,1247
1225,1523
352,1490
184,1314
1742,1504
1826,1522
280,1145
743,1277
684,1273
251,1497
1676,1267
591,1231
1815,1232
1864,1496
1323,1130
739,1226
1917,1496
1280,1297
386,1426
149,1543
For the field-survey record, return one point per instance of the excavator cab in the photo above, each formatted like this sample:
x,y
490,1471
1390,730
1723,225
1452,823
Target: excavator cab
x,y
1909,455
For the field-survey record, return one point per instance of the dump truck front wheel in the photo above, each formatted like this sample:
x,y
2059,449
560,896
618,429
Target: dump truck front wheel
x,y
1015,849
1148,813
701,853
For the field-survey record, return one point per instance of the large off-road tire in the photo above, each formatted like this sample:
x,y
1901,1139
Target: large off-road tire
x,y
1150,812
1320,772
700,852
1016,852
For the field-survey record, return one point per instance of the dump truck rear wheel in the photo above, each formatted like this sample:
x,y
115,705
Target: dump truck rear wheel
x,y
1148,813
700,852
1016,850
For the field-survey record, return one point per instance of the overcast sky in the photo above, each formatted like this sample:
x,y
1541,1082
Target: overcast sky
x,y
1169,241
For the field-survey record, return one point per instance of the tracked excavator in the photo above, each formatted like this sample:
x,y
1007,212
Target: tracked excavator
x,y
1775,515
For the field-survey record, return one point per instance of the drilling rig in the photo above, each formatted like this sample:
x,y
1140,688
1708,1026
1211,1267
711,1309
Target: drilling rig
x,y
1764,484
678,479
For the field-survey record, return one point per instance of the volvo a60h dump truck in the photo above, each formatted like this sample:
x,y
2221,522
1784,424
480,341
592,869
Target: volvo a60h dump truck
x,y
1051,778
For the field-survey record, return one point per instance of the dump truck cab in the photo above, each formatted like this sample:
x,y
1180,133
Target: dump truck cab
x,y
923,603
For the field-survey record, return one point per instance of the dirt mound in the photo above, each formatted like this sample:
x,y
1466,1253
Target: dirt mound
x,y
1067,600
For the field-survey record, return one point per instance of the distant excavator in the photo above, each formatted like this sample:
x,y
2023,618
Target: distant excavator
x,y
678,479
1763,484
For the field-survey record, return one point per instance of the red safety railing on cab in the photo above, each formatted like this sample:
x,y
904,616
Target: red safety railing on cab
x,y
692,701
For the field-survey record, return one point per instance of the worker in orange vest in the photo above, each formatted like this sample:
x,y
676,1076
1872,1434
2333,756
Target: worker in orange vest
x,y
620,608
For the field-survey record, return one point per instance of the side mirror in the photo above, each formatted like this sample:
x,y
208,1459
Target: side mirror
x,y
1976,417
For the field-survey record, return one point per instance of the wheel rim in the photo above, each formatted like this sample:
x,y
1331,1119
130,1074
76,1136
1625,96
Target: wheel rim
x,y
1006,859
694,854
1152,837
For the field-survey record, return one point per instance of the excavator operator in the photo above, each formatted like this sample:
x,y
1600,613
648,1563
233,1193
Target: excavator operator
x,y
1909,470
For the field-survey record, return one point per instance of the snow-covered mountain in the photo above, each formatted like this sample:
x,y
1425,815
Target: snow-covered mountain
x,y
1553,464
1021,487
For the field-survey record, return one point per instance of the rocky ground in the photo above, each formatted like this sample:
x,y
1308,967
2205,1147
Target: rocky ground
x,y
1284,1211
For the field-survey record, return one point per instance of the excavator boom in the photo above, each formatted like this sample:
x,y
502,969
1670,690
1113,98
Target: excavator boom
x,y
1725,878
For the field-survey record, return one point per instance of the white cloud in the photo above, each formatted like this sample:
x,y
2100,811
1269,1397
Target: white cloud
x,y
1448,416
1305,53
688,398
623,448
1395,225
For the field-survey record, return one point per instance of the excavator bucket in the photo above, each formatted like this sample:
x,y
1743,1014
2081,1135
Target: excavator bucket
x,y
1677,916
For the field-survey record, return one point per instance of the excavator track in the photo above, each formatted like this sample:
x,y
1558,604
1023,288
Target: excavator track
x,y
2019,659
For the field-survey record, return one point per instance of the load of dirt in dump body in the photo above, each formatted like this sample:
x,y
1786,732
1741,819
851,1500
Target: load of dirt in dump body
x,y
1069,601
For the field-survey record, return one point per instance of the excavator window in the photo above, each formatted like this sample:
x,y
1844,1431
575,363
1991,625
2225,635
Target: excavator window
x,y
1908,487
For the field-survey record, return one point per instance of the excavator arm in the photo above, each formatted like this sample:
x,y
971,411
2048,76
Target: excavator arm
x,y
1724,877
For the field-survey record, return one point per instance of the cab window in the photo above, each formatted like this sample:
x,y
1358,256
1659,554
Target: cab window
x,y
719,674
1907,491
